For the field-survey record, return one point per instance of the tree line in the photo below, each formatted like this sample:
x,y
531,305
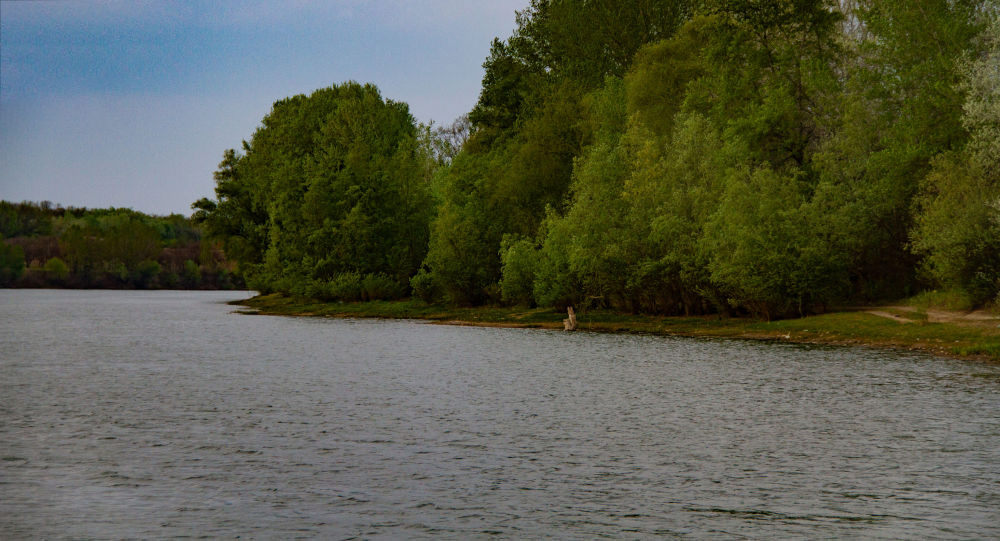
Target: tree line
x,y
767,157
50,246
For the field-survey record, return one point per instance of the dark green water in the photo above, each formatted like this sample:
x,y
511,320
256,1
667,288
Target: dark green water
x,y
164,414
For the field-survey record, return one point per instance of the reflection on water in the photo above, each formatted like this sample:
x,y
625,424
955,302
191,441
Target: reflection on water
x,y
160,414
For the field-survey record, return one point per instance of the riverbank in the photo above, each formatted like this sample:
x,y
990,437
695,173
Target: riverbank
x,y
888,327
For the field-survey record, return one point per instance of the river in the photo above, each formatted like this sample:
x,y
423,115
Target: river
x,y
130,414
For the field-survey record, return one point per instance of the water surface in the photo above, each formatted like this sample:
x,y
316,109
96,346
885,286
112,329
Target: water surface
x,y
163,414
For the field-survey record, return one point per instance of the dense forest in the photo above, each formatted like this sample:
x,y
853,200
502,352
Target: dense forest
x,y
49,246
763,157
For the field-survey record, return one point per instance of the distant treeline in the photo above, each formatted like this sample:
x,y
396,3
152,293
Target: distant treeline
x,y
767,157
50,246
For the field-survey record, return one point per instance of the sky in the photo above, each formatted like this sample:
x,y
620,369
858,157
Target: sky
x,y
132,103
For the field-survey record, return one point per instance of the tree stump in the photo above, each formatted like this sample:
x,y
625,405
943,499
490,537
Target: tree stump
x,y
569,324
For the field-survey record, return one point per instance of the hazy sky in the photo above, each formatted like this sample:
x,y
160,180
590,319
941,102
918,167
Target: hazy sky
x,y
131,104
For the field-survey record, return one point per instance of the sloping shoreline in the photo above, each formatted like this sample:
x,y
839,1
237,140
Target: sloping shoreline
x,y
972,338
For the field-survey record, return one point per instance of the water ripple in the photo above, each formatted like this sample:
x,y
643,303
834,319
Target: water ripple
x,y
162,414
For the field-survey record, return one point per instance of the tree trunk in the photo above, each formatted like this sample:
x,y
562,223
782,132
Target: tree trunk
x,y
569,324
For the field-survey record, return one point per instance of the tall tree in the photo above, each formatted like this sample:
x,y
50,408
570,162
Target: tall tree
x,y
332,184
529,126
958,223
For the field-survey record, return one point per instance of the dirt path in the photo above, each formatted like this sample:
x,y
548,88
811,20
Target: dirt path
x,y
909,314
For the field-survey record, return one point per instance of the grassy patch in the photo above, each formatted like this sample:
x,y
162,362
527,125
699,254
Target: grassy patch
x,y
945,300
987,350
867,328
404,309
833,328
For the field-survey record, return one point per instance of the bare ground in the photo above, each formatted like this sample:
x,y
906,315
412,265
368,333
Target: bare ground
x,y
909,314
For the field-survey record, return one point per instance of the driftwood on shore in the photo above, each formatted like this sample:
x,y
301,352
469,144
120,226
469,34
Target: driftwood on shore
x,y
569,324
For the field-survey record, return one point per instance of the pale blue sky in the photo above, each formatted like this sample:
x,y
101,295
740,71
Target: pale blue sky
x,y
131,104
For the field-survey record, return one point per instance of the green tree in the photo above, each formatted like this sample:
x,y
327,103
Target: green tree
x,y
331,183
658,81
26,219
600,248
11,263
239,215
772,71
958,227
766,255
673,192
901,106
532,120
958,224
462,256
518,258
191,277
145,273
56,270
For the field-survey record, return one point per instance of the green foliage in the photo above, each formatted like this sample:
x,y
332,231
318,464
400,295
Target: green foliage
x,y
191,277
738,86
539,108
239,217
225,279
589,41
981,110
952,299
333,183
169,280
674,190
958,227
761,157
344,287
28,219
349,287
462,257
102,248
661,72
901,107
958,220
555,283
107,242
424,286
56,270
909,63
518,258
381,287
11,263
600,249
146,273
766,256
460,254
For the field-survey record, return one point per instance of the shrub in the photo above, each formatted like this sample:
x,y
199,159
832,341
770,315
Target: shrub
x,y
145,273
56,270
951,299
424,286
380,287
312,289
191,277
169,280
345,287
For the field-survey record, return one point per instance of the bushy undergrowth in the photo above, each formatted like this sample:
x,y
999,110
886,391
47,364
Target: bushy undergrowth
x,y
952,299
